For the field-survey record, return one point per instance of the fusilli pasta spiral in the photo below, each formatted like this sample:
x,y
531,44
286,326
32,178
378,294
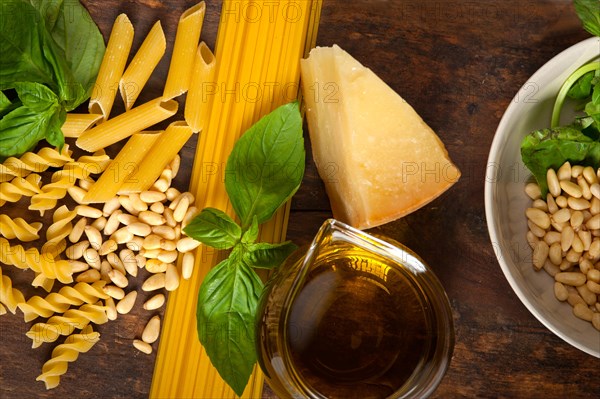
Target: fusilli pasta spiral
x,y
9,296
34,162
66,323
36,261
42,281
58,230
66,353
19,228
59,302
18,187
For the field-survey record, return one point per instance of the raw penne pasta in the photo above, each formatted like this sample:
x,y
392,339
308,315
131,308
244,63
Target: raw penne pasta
x,y
125,163
126,124
79,123
197,104
182,59
141,67
112,67
162,152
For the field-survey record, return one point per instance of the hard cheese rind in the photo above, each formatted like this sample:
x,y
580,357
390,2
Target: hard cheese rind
x,y
379,160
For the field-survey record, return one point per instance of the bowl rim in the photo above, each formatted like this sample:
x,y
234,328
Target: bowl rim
x,y
491,211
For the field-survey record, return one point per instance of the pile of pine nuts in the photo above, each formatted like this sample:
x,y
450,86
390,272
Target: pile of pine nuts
x,y
131,232
564,234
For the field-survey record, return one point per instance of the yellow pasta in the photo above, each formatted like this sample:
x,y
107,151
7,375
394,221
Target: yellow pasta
x,y
66,323
126,124
2,309
59,302
167,146
32,162
139,70
112,67
57,232
198,101
42,281
76,124
9,296
65,178
182,58
36,261
18,187
19,228
125,163
66,353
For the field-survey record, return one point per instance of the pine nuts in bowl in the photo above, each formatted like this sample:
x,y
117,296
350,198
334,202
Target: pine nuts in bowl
x,y
525,228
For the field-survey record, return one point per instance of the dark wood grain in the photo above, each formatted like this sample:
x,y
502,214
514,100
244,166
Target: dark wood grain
x,y
459,64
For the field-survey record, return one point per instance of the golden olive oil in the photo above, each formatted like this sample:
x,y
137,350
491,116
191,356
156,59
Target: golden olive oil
x,y
358,327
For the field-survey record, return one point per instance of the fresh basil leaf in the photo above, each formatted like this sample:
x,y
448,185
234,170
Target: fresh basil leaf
x,y
227,303
596,93
251,234
268,256
5,103
22,128
22,46
35,96
589,14
214,228
550,148
266,165
582,88
54,134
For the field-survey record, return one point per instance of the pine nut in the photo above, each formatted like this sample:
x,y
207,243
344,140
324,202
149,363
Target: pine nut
x,y
551,237
586,294
168,245
583,312
576,219
150,197
114,291
573,256
571,188
169,219
94,237
162,184
540,254
111,206
126,304
105,267
192,212
175,164
567,236
75,251
578,204
89,276
593,275
151,218
118,278
552,206
127,219
531,240
122,236
156,266
77,193
77,266
137,203
585,266
593,287
561,201
573,279
77,231
111,309
560,291
107,247
561,216
167,256
564,172
140,260
595,189
157,207
164,231
152,330
577,244
555,254
112,224
553,183
91,256
565,265
128,259
533,191
593,223
574,299
139,229
187,265
595,206
550,268
88,211
142,346
127,205
576,170
115,262
171,278
86,184
154,282
538,217
172,193
99,223
590,175
585,188
187,244
594,251
586,239
135,244
155,302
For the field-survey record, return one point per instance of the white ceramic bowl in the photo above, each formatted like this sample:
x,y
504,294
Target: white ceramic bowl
x,y
505,200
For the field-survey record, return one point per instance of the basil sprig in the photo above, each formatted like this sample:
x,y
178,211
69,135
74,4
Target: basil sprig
x,y
50,53
264,169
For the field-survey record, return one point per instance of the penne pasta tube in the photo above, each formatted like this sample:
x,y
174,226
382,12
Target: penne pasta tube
x,y
126,124
162,152
197,103
76,124
125,163
112,67
141,67
186,43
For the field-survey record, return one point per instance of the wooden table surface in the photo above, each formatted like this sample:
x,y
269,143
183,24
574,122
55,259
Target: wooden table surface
x,y
459,64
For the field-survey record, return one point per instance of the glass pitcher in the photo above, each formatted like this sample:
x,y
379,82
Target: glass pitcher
x,y
354,316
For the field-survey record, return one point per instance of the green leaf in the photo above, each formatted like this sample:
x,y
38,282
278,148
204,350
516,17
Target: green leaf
x,y
268,256
214,228
582,87
227,303
5,103
35,96
266,165
251,234
22,46
589,14
550,148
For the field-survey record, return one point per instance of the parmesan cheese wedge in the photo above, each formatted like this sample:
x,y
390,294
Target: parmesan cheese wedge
x,y
378,159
